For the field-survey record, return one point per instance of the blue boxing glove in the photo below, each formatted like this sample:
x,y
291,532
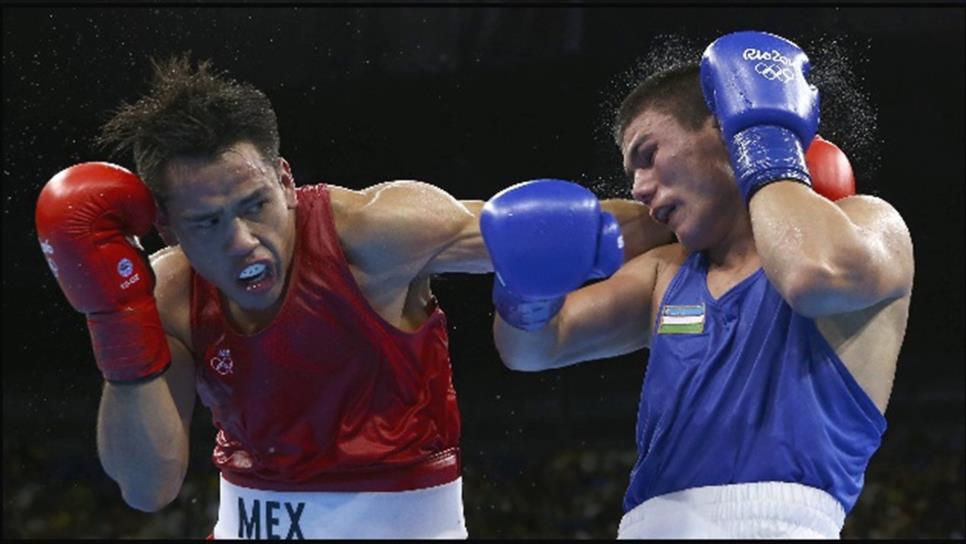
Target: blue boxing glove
x,y
754,83
546,238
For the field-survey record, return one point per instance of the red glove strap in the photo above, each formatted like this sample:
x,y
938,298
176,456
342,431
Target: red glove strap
x,y
129,344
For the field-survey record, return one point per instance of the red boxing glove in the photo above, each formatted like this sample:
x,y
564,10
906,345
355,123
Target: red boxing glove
x,y
85,216
830,170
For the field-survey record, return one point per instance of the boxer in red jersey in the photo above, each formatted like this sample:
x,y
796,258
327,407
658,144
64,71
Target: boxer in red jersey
x,y
302,317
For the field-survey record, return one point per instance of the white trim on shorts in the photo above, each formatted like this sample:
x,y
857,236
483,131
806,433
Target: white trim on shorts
x,y
775,510
432,512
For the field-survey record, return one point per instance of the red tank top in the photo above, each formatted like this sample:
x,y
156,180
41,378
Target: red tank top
x,y
329,396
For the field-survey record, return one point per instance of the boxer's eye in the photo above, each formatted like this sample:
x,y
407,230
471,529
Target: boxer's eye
x,y
205,224
645,156
256,207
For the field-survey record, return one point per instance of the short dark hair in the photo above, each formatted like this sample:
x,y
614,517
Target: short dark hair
x,y
188,111
675,91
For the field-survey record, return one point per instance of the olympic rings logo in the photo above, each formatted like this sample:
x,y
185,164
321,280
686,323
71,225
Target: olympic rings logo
x,y
222,363
772,72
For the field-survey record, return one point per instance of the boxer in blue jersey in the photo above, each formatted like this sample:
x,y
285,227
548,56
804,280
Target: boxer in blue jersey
x,y
774,324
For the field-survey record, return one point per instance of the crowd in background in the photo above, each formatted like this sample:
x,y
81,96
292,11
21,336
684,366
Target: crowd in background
x,y
511,490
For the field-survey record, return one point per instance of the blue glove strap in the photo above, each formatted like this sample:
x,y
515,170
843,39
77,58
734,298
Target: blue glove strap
x,y
528,315
766,153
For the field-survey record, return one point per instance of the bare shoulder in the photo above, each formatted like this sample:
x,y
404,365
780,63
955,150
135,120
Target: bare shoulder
x,y
346,200
660,260
669,254
657,267
173,291
382,197
359,214
397,221
394,201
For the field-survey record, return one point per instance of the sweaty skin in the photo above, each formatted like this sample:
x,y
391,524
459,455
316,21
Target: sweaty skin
x,y
224,214
846,264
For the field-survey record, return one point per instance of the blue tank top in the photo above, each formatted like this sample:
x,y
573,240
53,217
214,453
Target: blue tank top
x,y
742,389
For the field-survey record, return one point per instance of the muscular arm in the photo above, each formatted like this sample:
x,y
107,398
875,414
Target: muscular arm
x,y
142,434
829,258
605,319
412,228
431,232
142,430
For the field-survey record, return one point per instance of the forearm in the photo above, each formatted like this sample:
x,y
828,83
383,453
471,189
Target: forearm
x,y
142,442
547,238
526,351
811,250
640,232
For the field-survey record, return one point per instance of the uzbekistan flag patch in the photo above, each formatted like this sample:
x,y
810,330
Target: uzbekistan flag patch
x,y
684,319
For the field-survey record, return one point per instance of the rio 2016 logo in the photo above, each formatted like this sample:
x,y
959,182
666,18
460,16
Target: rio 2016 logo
x,y
756,54
771,65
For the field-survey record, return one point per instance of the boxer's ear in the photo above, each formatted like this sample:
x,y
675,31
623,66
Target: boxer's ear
x,y
287,180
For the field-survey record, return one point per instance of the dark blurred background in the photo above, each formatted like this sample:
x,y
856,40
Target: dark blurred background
x,y
474,99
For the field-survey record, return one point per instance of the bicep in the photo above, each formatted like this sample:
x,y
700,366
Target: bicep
x,y
611,317
418,228
180,378
172,269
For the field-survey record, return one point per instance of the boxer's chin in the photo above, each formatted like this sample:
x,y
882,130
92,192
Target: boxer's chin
x,y
690,240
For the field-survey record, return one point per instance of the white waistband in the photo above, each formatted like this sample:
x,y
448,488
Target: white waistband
x,y
738,511
432,512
